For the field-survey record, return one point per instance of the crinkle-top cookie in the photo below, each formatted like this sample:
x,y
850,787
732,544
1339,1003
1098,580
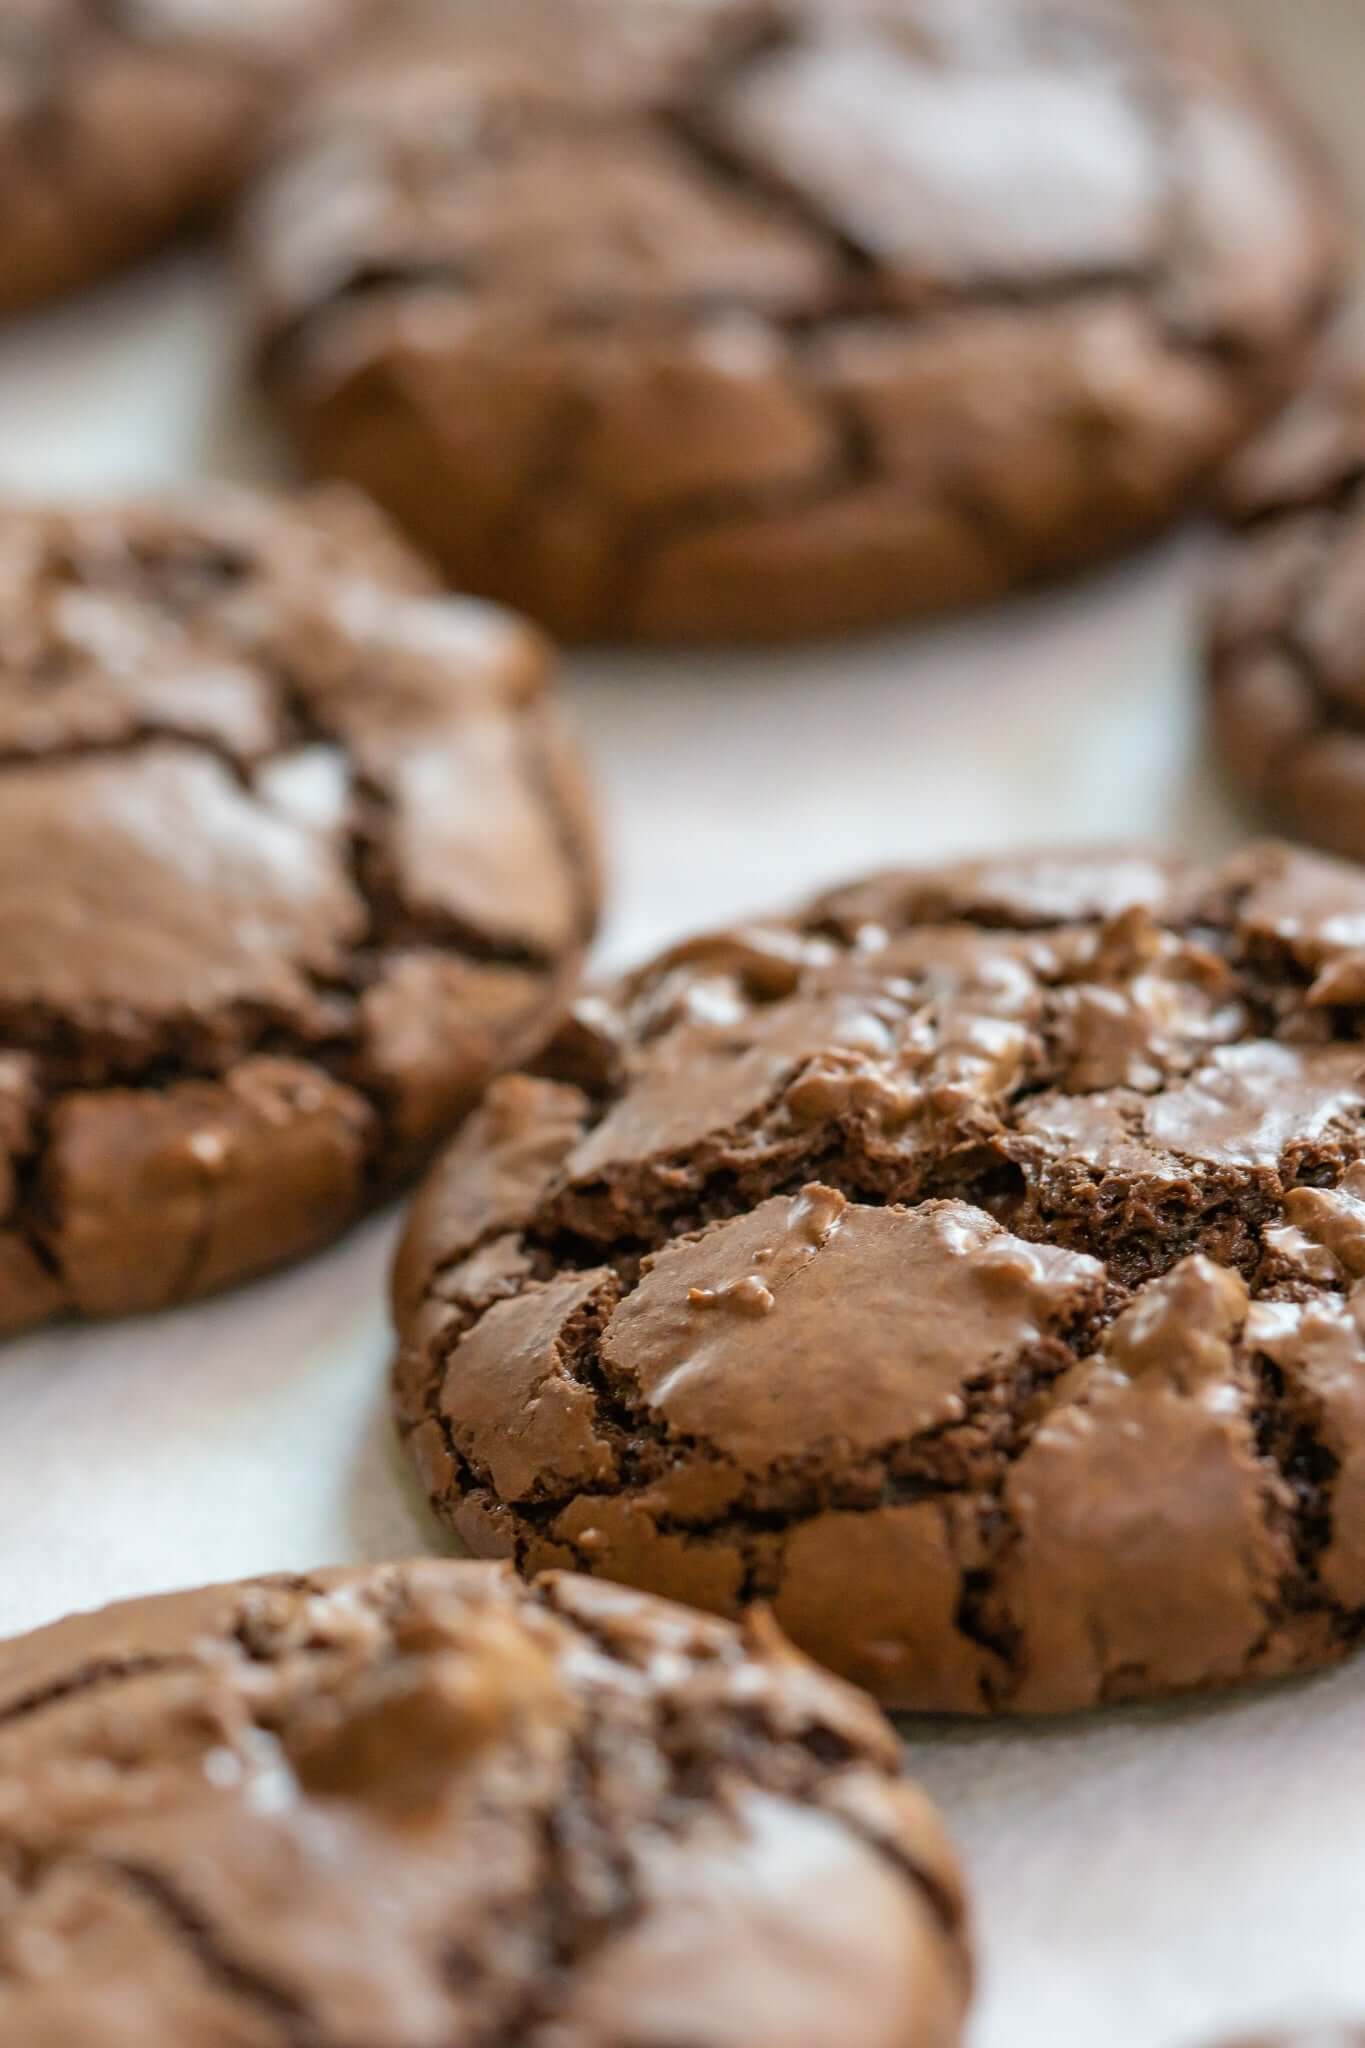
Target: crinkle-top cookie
x,y
754,319
423,1804
970,1266
293,855
121,120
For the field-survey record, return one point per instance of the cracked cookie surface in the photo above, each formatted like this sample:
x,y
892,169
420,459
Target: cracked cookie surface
x,y
769,318
122,120
293,855
426,1803
1286,631
970,1266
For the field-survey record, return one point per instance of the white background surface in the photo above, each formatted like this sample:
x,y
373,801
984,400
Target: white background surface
x,y
1142,1881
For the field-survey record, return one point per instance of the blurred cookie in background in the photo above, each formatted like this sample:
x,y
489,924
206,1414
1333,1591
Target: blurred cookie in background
x,y
123,120
1317,2037
293,856
1286,630
424,1803
758,319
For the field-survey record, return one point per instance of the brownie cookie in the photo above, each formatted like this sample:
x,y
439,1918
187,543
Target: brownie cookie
x,y
425,1804
1286,643
121,120
1321,2037
755,319
293,855
971,1267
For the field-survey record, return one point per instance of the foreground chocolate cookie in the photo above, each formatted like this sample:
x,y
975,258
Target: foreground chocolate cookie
x,y
971,1266
121,120
768,318
292,857
423,1804
1287,626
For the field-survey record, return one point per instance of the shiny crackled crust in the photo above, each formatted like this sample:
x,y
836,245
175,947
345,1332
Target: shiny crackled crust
x,y
424,1803
293,855
120,120
1286,639
753,319
971,1267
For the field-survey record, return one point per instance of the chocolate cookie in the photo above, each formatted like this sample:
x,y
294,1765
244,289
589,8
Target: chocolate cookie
x,y
292,857
121,120
1321,2037
1286,650
424,1803
767,318
971,1266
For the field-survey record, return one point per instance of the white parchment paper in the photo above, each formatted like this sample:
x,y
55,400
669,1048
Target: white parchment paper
x,y
1142,1880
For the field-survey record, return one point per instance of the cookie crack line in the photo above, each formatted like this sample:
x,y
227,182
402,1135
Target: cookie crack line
x,y
394,921
137,738
1289,1439
855,463
647,318
192,1934
195,1935
106,1671
825,1748
1091,1176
